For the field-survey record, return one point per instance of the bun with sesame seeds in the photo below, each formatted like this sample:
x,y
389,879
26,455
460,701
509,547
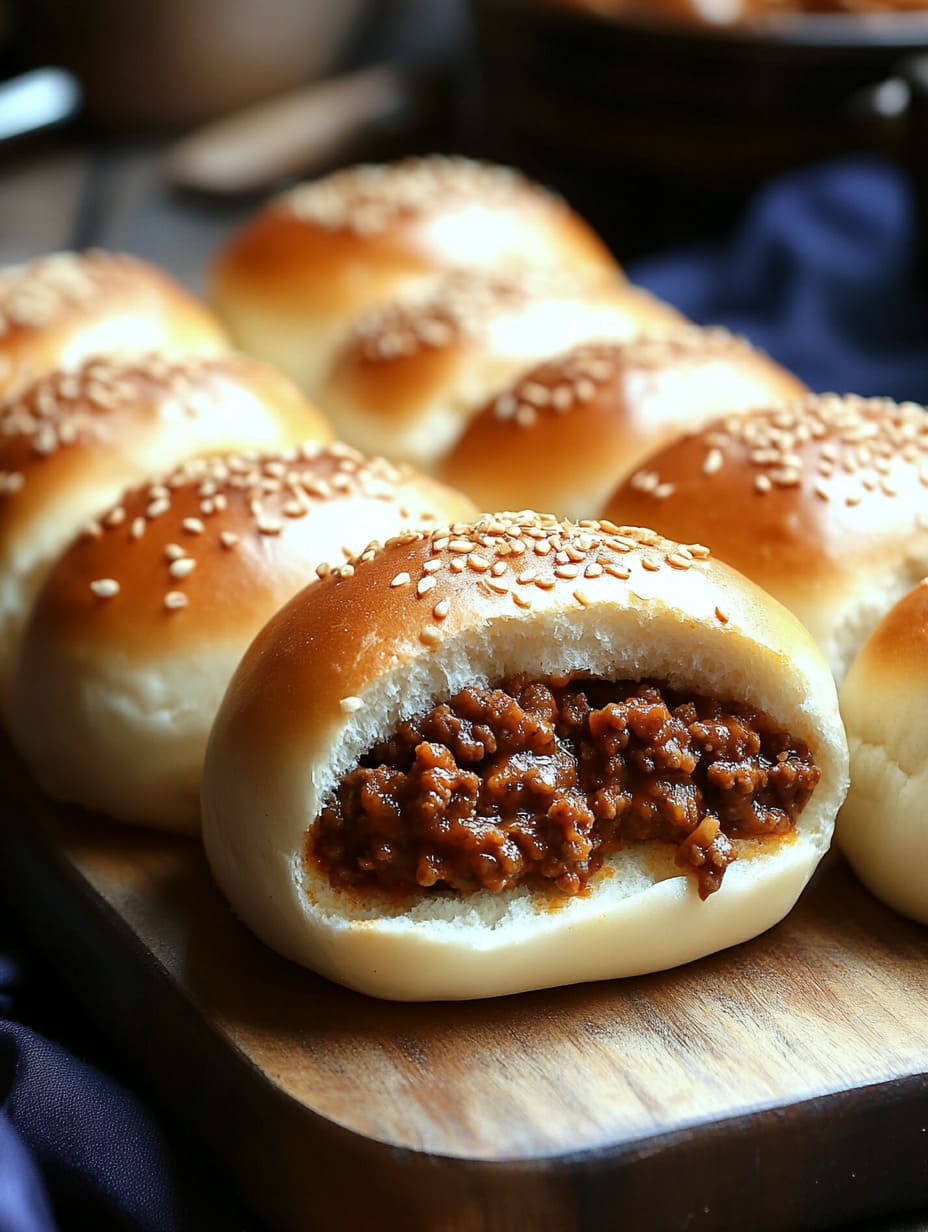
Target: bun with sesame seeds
x,y
320,255
824,504
72,441
395,791
883,828
578,423
137,629
410,375
58,310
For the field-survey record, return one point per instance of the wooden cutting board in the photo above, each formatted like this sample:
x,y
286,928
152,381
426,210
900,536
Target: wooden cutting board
x,y
778,1085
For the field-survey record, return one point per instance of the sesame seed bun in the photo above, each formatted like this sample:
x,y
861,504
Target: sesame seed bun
x,y
823,504
578,423
883,826
60,309
320,255
411,375
71,442
341,665
137,630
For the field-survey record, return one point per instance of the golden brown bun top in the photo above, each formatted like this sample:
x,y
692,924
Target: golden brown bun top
x,y
340,242
207,552
896,652
564,433
56,310
807,495
49,431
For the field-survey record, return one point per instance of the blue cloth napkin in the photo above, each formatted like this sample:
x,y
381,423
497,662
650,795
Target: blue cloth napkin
x,y
823,273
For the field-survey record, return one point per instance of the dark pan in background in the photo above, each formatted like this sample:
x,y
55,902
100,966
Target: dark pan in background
x,y
661,132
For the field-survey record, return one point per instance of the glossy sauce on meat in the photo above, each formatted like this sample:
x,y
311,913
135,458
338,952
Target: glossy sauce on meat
x,y
537,781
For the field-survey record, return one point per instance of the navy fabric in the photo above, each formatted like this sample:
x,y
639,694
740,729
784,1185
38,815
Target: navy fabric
x,y
824,274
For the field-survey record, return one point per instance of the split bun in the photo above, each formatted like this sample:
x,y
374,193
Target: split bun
x,y
348,659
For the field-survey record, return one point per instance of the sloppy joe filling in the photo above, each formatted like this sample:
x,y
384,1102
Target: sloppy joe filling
x,y
537,781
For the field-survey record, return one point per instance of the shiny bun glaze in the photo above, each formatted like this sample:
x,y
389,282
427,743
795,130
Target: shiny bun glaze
x,y
562,434
410,375
400,628
140,623
58,310
823,503
291,281
72,441
883,826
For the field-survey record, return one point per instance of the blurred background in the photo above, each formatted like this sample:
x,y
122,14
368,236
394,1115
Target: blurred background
x,y
658,119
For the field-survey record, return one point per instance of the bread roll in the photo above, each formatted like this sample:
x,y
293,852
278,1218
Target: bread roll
x,y
138,628
60,309
823,504
71,442
562,435
448,617
411,375
292,280
883,826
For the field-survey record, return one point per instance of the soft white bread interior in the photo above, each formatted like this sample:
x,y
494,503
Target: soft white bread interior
x,y
562,435
824,504
58,310
411,375
72,441
291,281
883,826
139,626
346,660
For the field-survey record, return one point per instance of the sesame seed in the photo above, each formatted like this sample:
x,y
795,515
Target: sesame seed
x,y
593,570
269,526
425,585
175,599
650,564
521,600
762,483
401,579
430,635
137,528
157,507
350,704
567,572
583,597
105,588
193,526
228,538
182,567
441,609
173,551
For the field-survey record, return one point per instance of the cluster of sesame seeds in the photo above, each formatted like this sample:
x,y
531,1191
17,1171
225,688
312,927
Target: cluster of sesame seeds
x,y
64,407
839,448
33,295
273,490
519,554
460,305
561,385
369,198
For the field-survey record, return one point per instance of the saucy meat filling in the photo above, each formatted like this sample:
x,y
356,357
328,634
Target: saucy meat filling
x,y
537,781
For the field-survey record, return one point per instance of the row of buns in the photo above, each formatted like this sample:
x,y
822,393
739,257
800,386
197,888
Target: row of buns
x,y
233,496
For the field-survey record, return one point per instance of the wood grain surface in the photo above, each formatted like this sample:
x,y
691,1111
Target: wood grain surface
x,y
784,1076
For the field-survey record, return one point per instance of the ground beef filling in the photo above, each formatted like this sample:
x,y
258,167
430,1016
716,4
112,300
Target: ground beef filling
x,y
537,781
